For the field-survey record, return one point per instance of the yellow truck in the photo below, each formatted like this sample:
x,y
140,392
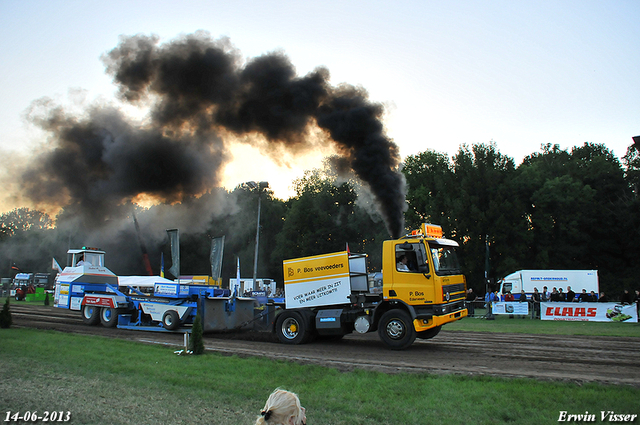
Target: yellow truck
x,y
421,288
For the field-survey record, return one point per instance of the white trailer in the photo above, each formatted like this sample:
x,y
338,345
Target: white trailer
x,y
529,279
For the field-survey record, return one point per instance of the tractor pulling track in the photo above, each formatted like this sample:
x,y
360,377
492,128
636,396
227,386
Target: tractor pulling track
x,y
609,360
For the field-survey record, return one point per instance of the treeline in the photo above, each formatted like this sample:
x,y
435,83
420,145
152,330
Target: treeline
x,y
558,209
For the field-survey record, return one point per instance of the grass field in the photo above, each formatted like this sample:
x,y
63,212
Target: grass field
x,y
109,381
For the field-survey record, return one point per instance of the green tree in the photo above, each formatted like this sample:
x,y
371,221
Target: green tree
x,y
197,343
474,200
631,162
573,208
5,315
22,220
485,210
430,182
27,237
317,219
328,213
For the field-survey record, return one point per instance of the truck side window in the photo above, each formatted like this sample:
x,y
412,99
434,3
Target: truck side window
x,y
406,259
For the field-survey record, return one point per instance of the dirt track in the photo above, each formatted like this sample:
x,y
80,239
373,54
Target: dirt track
x,y
571,358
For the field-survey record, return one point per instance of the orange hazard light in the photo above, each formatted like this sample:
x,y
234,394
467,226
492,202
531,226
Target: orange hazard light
x,y
432,230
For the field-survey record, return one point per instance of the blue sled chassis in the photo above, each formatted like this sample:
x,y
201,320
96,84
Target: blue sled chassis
x,y
153,303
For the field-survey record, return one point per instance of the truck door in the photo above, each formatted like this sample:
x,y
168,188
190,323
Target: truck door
x,y
411,277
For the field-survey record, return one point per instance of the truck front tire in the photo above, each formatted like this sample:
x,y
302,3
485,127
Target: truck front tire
x,y
109,317
396,329
90,315
292,328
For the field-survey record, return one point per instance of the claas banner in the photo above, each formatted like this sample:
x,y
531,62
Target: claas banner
x,y
589,312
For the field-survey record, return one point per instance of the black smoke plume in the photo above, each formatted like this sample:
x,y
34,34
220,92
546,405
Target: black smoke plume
x,y
201,90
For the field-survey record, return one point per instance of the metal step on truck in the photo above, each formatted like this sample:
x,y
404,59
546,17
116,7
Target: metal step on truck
x,y
420,289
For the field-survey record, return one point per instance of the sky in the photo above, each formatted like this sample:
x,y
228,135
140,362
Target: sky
x,y
520,74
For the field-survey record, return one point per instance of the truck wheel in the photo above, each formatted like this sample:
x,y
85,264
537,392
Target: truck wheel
x,y
90,315
171,320
429,333
396,329
109,317
292,328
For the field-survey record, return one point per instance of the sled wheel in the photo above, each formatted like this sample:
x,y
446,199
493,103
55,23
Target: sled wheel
x,y
90,314
109,317
171,320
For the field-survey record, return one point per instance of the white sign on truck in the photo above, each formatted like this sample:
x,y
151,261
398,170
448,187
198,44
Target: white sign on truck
x,y
320,280
529,279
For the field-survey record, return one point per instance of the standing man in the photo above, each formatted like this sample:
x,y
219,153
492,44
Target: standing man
x,y
490,299
535,299
470,300
544,296
570,295
561,296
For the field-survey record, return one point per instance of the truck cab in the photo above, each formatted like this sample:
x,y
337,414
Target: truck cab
x,y
88,256
421,289
421,275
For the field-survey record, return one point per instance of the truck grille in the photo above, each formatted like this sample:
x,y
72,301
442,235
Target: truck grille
x,y
457,289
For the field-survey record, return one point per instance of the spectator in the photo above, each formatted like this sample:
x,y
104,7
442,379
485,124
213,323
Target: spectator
x,y
594,297
570,295
584,297
535,298
637,301
282,408
470,300
561,296
523,299
603,298
626,297
544,296
523,296
508,297
492,298
554,295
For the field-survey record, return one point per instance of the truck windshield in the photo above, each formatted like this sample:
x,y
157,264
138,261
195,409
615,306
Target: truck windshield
x,y
445,260
507,287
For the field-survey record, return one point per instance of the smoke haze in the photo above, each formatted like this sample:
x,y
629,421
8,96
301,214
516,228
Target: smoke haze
x,y
200,94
